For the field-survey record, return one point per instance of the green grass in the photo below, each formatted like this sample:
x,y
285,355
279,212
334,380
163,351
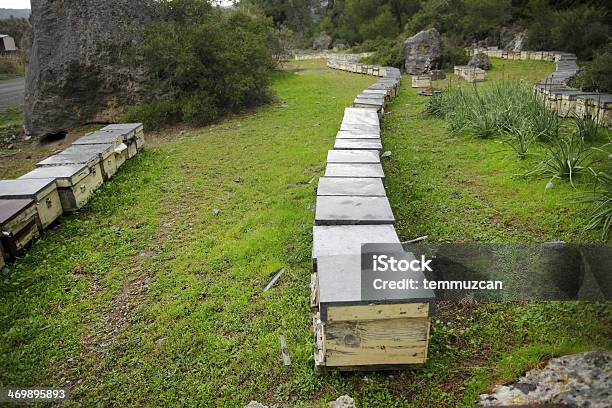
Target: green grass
x,y
147,298
11,115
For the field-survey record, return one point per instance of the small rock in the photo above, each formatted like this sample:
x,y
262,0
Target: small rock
x,y
11,146
255,404
238,179
27,138
386,154
159,341
343,402
549,185
216,211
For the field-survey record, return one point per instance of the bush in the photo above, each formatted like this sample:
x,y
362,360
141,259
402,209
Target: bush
x,y
387,52
600,215
203,62
596,75
11,68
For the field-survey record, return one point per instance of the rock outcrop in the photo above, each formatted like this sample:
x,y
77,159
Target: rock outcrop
x,y
423,52
480,60
77,72
577,380
322,42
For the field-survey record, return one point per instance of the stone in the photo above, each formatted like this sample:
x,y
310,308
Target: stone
x,y
333,240
351,186
343,402
423,52
353,210
577,380
76,73
322,42
436,74
255,404
354,170
356,134
480,60
353,156
367,144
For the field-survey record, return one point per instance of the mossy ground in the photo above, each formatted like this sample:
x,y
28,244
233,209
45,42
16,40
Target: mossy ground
x,y
146,298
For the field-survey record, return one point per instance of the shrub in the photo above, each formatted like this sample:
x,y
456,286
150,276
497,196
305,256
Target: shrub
x,y
596,75
588,129
203,62
567,157
387,52
600,215
11,68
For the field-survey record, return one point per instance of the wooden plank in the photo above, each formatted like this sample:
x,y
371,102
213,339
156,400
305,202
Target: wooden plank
x,y
373,342
375,312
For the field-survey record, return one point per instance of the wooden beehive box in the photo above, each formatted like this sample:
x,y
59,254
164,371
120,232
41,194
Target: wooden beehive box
x,y
75,183
113,137
86,154
18,225
603,111
421,81
132,132
353,333
43,192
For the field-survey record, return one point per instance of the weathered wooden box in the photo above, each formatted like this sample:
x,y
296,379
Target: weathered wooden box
x,y
43,192
113,137
75,183
133,134
421,81
18,226
104,154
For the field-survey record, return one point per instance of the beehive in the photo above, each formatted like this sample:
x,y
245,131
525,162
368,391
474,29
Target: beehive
x,y
18,225
43,192
75,183
104,154
421,81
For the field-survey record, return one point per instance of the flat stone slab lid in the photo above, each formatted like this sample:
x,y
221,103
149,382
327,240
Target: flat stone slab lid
x,y
103,150
357,134
29,188
378,103
358,144
353,210
114,137
339,283
374,97
360,127
130,127
9,209
375,92
348,239
353,156
601,98
351,186
367,116
67,159
66,172
354,170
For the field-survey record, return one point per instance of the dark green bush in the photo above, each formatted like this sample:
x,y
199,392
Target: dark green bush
x,y
596,75
11,68
203,62
387,52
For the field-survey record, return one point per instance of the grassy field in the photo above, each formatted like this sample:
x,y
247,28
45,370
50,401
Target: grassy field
x,y
147,298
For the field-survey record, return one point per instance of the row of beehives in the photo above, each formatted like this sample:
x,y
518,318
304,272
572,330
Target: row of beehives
x,y
62,183
359,68
470,74
519,55
300,56
352,209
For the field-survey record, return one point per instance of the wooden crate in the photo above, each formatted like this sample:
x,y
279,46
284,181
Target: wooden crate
x,y
43,192
357,334
75,183
421,81
18,225
105,152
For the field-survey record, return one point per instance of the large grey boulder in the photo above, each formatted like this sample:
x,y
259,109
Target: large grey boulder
x,y
480,60
322,42
423,52
77,72
576,380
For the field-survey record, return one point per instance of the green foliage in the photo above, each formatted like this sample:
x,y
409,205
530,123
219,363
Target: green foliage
x,y
521,138
10,68
567,157
600,216
203,62
588,129
387,51
580,29
596,75
15,27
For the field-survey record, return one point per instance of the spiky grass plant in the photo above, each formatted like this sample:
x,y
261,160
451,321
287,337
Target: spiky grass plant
x,y
587,128
566,157
521,138
600,216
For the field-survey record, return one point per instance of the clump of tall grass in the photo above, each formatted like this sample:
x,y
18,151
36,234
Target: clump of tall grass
x,y
521,138
600,215
500,108
567,156
587,128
